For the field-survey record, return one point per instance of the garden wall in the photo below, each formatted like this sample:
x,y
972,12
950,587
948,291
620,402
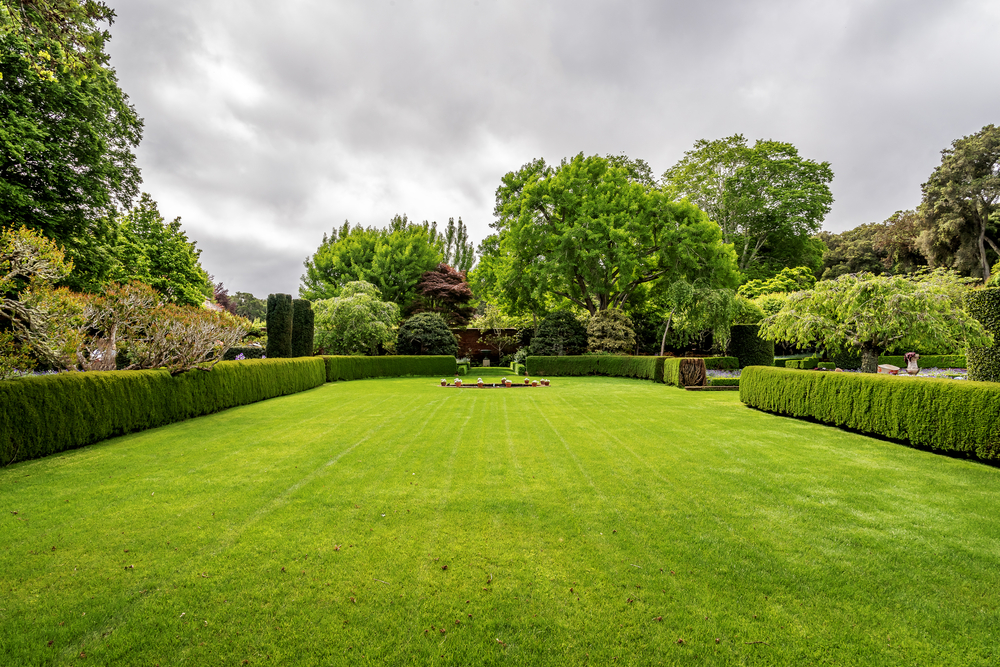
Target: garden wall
x,y
358,368
941,414
52,413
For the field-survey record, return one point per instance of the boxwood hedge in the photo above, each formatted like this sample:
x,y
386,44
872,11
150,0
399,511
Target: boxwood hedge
x,y
722,363
358,368
615,365
941,414
984,362
927,360
52,413
749,348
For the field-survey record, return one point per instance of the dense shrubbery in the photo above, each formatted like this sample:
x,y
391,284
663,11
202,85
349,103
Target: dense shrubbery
x,y
559,334
303,320
279,326
610,331
943,414
357,368
722,363
52,413
649,368
248,352
426,333
748,347
984,362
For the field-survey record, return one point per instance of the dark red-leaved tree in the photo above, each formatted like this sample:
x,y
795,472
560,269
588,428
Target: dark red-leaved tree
x,y
445,290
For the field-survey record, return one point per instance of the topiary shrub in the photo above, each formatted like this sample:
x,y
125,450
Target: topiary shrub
x,y
748,347
279,326
983,363
303,329
426,333
611,331
559,334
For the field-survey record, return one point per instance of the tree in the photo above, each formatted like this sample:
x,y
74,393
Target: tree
x,y
586,233
787,280
303,328
69,132
559,334
426,333
249,306
868,313
961,205
356,322
852,251
695,309
494,328
898,237
279,326
610,331
457,250
445,290
760,194
392,259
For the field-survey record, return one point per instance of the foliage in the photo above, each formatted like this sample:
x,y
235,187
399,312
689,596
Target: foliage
x,y
15,356
457,250
68,133
693,310
445,291
873,313
942,414
927,360
748,347
426,334
248,352
559,333
586,232
221,298
249,306
358,368
493,326
43,415
610,331
647,368
984,361
787,280
159,254
760,194
961,205
303,328
853,251
356,322
279,326
393,259
771,304
685,372
748,312
721,363
900,238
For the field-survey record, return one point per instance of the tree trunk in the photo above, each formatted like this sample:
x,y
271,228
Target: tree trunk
x,y
984,263
869,360
663,343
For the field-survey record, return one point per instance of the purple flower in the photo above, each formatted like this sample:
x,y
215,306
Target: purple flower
x,y
240,357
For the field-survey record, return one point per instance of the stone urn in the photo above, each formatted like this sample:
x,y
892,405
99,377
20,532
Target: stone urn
x,y
912,367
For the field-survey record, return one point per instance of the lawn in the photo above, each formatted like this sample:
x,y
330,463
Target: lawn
x,y
598,521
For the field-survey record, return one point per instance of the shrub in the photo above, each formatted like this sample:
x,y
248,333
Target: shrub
x,y
52,413
722,363
827,365
846,359
356,322
279,326
559,334
684,372
807,363
748,347
614,365
984,361
249,352
611,331
358,368
942,414
303,319
520,369
723,382
426,333
927,361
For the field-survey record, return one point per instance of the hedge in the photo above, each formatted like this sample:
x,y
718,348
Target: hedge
x,y
941,414
749,348
358,368
928,361
684,372
249,352
615,365
723,382
52,413
303,328
279,325
722,363
519,369
807,363
984,362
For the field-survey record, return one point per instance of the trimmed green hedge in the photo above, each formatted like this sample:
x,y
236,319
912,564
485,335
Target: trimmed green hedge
x,y
677,369
928,361
723,382
827,365
647,368
519,369
249,352
807,363
942,414
279,326
722,363
358,368
749,348
52,413
984,362
303,328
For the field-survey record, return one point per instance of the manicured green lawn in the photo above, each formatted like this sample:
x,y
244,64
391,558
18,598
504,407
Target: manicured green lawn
x,y
598,521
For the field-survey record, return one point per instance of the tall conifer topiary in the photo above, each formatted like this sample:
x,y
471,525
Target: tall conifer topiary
x,y
302,328
984,362
279,326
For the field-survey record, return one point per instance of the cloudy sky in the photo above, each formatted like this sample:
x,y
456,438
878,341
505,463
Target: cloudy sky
x,y
269,122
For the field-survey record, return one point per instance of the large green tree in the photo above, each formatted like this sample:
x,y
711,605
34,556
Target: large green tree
x,y
356,322
760,195
590,233
961,205
68,131
393,259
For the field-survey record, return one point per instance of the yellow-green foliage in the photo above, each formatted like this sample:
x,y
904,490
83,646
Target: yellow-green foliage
x,y
647,368
942,414
984,362
52,413
357,368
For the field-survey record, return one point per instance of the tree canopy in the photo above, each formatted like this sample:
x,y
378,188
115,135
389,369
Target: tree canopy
x,y
588,233
445,290
758,195
356,322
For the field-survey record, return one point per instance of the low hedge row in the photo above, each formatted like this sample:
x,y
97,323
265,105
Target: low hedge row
x,y
723,382
52,413
807,363
647,368
358,368
928,361
722,363
247,352
519,369
684,371
941,414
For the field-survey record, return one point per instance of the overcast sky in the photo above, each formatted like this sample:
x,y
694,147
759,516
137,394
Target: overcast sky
x,y
269,122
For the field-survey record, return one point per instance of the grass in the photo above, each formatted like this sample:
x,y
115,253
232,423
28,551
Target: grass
x,y
598,521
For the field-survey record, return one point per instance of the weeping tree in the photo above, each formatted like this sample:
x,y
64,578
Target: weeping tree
x,y
693,309
862,312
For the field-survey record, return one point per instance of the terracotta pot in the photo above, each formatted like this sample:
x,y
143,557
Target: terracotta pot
x,y
444,383
480,383
458,383
527,381
534,383
508,383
